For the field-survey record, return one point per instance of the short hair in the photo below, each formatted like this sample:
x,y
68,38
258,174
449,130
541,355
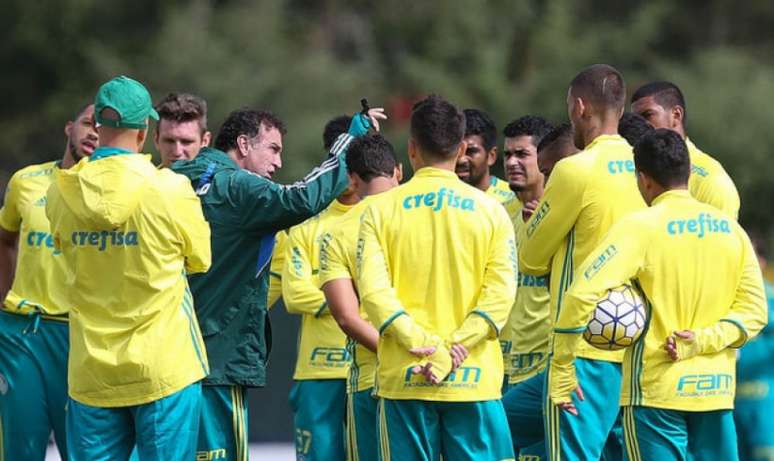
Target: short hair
x,y
371,156
666,94
183,107
633,126
245,122
81,110
478,123
335,127
560,134
529,125
663,155
602,86
437,126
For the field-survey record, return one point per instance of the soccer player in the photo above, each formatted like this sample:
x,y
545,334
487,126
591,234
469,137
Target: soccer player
x,y
556,145
633,126
524,339
437,278
128,233
704,299
662,104
33,317
373,169
755,391
584,196
318,396
245,209
182,128
480,155
333,129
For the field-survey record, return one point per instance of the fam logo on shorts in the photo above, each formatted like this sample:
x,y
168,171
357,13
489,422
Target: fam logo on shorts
x,y
3,385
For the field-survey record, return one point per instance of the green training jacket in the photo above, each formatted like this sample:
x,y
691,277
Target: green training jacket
x,y
244,211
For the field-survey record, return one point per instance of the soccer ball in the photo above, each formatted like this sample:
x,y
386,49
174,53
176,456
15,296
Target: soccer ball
x,y
618,319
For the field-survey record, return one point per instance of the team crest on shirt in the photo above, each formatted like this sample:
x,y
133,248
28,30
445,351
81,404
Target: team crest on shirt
x,y
3,385
41,201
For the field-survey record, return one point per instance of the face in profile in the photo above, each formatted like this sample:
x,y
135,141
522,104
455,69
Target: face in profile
x,y
82,136
650,110
473,165
179,140
264,152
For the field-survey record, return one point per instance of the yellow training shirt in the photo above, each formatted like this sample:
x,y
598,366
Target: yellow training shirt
x,y
709,183
275,270
128,234
524,339
500,190
585,194
442,253
696,267
38,282
322,352
338,261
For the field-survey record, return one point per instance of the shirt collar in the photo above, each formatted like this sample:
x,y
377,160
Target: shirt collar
x,y
671,195
605,138
430,171
107,151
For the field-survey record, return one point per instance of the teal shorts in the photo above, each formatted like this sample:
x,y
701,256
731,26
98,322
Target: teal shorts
x,y
319,407
223,424
424,431
162,429
33,385
524,410
655,434
755,427
588,435
362,431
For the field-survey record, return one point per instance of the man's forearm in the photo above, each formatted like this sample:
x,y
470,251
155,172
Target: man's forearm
x,y
345,308
7,262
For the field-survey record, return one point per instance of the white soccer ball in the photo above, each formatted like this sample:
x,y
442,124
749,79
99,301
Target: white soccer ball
x,y
618,320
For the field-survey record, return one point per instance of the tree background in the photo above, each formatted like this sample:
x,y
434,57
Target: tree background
x,y
310,60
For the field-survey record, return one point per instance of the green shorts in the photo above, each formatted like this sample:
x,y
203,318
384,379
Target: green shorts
x,y
319,407
223,424
754,423
424,431
595,431
33,385
524,409
654,434
362,432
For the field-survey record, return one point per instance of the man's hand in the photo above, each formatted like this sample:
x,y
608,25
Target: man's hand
x,y
529,209
374,115
681,345
438,365
570,406
458,353
562,383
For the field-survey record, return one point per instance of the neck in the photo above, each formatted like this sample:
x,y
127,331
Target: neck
x,y
485,183
681,131
234,155
68,159
376,186
532,192
348,198
598,127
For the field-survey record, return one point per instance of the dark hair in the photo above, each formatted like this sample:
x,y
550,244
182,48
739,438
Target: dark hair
x,y
561,133
371,156
81,110
528,125
666,94
478,123
437,126
601,85
335,127
633,126
663,155
245,122
183,107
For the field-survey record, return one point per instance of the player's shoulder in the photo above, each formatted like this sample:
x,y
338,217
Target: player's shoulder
x,y
35,172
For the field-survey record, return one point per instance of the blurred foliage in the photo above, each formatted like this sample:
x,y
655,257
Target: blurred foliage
x,y
308,60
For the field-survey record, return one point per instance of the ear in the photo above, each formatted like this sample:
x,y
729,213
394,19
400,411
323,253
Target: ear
x,y
206,138
580,108
491,156
242,145
398,175
68,129
678,115
141,137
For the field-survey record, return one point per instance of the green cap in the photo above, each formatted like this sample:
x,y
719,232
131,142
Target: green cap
x,y
129,99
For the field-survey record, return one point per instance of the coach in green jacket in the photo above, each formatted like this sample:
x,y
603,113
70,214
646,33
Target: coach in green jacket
x,y
244,209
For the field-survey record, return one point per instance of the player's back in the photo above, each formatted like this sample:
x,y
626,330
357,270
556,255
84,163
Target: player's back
x,y
437,234
128,232
695,256
589,192
710,183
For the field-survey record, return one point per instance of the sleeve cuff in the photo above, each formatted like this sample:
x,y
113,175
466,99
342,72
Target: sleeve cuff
x,y
488,319
570,330
391,319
